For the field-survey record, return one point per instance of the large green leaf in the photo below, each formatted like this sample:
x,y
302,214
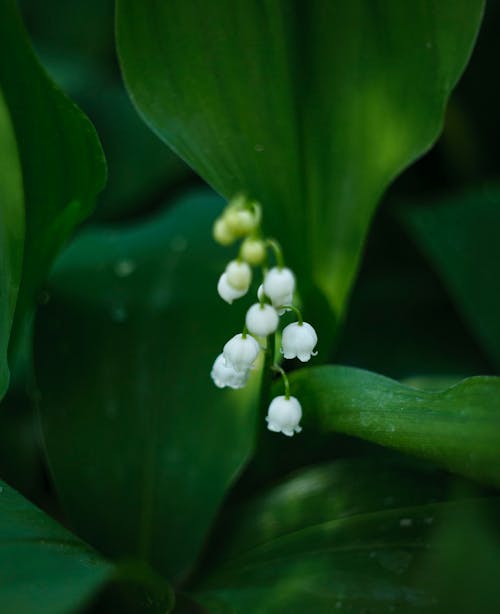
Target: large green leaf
x,y
313,108
348,535
44,569
141,444
11,234
457,428
61,161
460,238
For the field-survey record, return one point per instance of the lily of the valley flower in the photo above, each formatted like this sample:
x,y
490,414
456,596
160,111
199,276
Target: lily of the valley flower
x,y
225,376
239,275
286,300
283,415
240,352
299,340
228,292
279,285
262,320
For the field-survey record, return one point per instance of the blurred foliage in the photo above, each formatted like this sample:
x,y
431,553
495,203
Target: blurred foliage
x,y
152,465
140,394
460,237
76,43
44,569
58,157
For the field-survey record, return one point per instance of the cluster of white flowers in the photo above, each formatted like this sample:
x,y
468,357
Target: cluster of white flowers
x,y
241,220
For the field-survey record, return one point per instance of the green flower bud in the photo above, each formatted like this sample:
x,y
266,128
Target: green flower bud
x,y
253,251
221,232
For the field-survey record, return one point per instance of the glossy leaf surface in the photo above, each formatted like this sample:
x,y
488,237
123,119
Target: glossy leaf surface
x,y
44,569
313,108
141,443
460,238
457,428
348,535
61,160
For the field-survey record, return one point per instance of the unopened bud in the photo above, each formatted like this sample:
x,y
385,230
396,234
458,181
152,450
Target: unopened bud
x,y
253,251
221,232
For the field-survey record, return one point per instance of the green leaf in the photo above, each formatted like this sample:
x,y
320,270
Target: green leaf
x,y
313,108
61,160
141,444
464,572
348,535
11,235
460,237
44,569
457,428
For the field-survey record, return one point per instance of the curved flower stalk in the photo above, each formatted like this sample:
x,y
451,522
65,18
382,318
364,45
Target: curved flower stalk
x,y
241,219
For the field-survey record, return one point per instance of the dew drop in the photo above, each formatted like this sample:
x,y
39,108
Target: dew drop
x,y
405,522
124,268
119,314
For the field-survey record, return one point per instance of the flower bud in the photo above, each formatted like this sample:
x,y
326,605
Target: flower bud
x,y
299,340
283,416
239,275
285,300
226,291
279,285
221,232
242,217
253,251
225,376
240,352
240,222
262,320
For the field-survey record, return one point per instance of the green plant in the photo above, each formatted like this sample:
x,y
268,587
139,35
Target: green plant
x,y
173,495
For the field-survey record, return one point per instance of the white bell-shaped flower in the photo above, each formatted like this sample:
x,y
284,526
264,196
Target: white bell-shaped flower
x,y
240,352
279,285
286,300
283,415
239,275
225,376
262,320
299,340
227,292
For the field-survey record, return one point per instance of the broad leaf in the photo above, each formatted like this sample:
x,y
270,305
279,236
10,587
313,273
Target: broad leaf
x,y
61,161
460,238
11,234
44,569
457,428
349,535
313,108
141,444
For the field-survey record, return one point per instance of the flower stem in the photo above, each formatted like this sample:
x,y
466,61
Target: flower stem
x,y
278,253
279,370
296,310
265,390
